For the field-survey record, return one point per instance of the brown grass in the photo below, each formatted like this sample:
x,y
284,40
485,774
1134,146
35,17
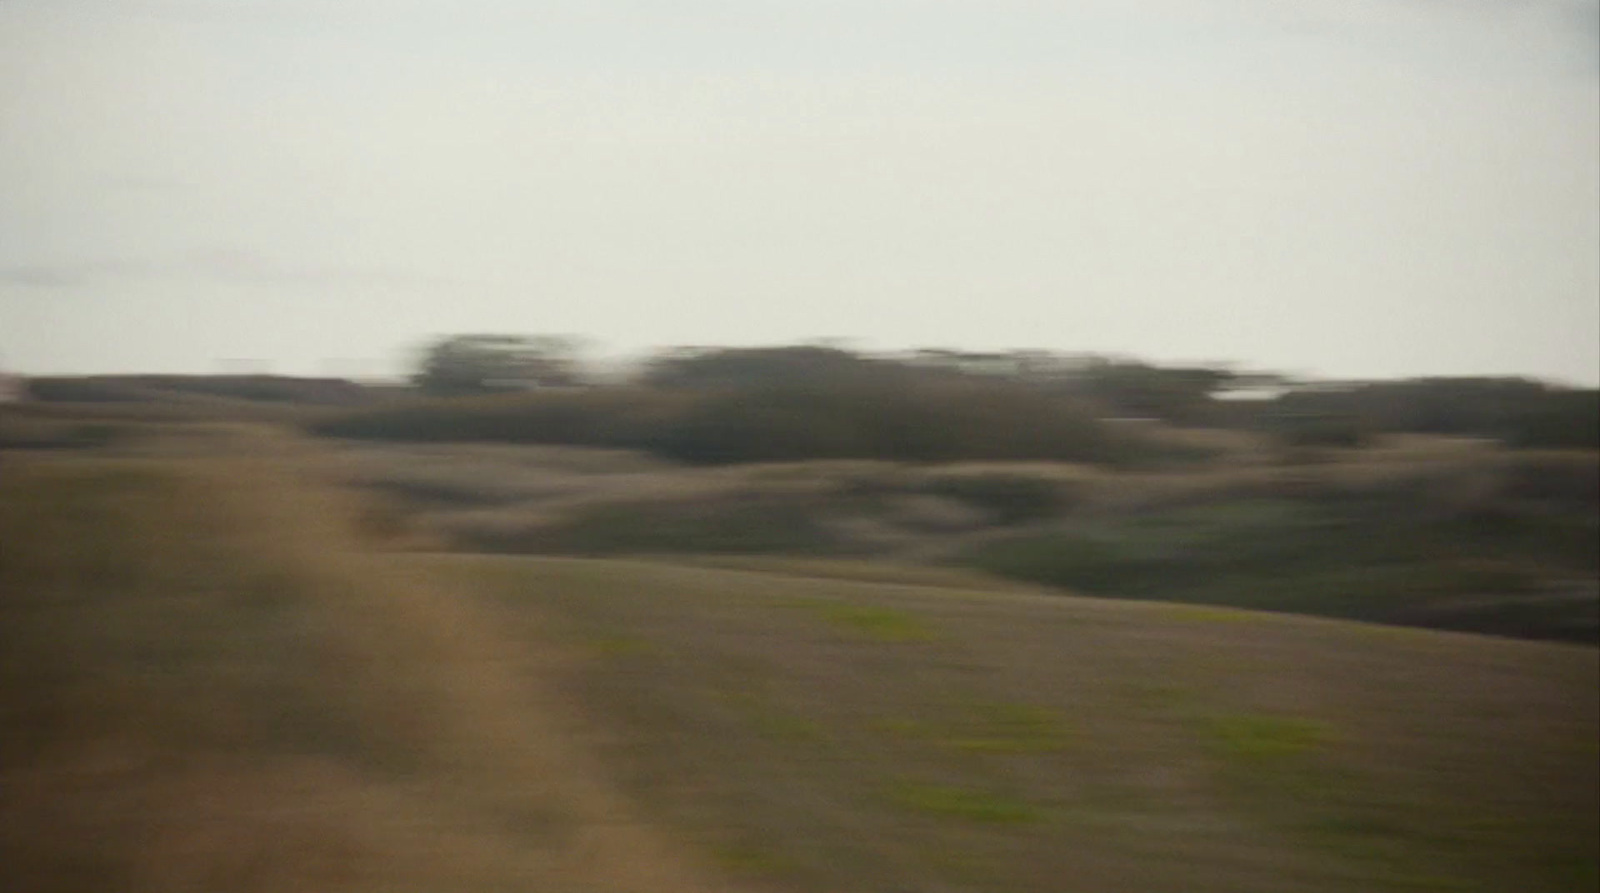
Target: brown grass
x,y
209,684
475,496
1024,739
212,678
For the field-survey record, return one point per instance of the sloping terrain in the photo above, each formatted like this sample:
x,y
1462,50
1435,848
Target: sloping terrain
x,y
207,683
1432,533
818,733
211,678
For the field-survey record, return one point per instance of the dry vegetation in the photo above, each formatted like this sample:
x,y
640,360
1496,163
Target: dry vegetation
x,y
815,733
208,684
1441,532
221,670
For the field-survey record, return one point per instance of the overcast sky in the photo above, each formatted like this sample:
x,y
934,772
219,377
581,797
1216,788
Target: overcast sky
x,y
1350,188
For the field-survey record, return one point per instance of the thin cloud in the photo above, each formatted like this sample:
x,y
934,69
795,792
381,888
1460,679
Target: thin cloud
x,y
74,274
223,264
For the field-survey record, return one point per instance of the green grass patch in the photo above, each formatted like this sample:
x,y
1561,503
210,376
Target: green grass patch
x,y
771,721
987,729
965,804
1011,728
728,525
1263,738
902,727
1378,558
872,621
752,859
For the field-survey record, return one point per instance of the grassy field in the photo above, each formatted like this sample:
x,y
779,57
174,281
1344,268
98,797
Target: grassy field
x,y
209,682
815,732
1436,533
235,660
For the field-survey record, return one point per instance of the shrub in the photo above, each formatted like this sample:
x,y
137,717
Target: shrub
x,y
1568,477
734,525
1560,420
147,388
934,422
1322,431
1009,498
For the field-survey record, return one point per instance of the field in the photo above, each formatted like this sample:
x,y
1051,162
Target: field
x,y
210,683
813,732
238,659
1426,532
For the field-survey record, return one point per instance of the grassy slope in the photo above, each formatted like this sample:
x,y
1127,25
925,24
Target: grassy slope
x,y
1428,533
1528,575
207,684
204,684
817,733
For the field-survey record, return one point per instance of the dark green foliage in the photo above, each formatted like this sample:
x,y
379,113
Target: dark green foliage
x,y
1376,558
1558,478
929,422
487,364
613,417
717,406
1327,430
762,367
730,526
158,388
83,390
1560,419
1521,412
1126,388
1010,498
1184,396
920,421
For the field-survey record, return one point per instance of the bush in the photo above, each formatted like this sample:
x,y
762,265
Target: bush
x,y
931,422
83,390
730,526
1561,420
154,388
1009,498
1322,431
1562,477
1521,412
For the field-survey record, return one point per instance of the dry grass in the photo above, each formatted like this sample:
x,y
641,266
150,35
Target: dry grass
x,y
212,678
1435,532
1033,738
208,684
845,569
456,486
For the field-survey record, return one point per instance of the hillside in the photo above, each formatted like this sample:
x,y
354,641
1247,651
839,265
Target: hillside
x,y
209,682
1428,532
818,733
237,660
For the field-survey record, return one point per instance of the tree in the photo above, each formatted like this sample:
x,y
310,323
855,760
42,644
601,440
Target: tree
x,y
486,364
749,367
1175,394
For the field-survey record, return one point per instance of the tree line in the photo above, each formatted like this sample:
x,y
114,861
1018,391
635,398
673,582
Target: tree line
x,y
722,405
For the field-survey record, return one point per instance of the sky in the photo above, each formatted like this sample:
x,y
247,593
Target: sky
x,y
1335,188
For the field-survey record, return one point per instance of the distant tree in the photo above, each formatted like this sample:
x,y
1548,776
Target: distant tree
x,y
1521,412
1175,394
758,367
483,364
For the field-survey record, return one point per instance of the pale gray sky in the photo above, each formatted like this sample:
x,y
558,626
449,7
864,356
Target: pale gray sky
x,y
1351,188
